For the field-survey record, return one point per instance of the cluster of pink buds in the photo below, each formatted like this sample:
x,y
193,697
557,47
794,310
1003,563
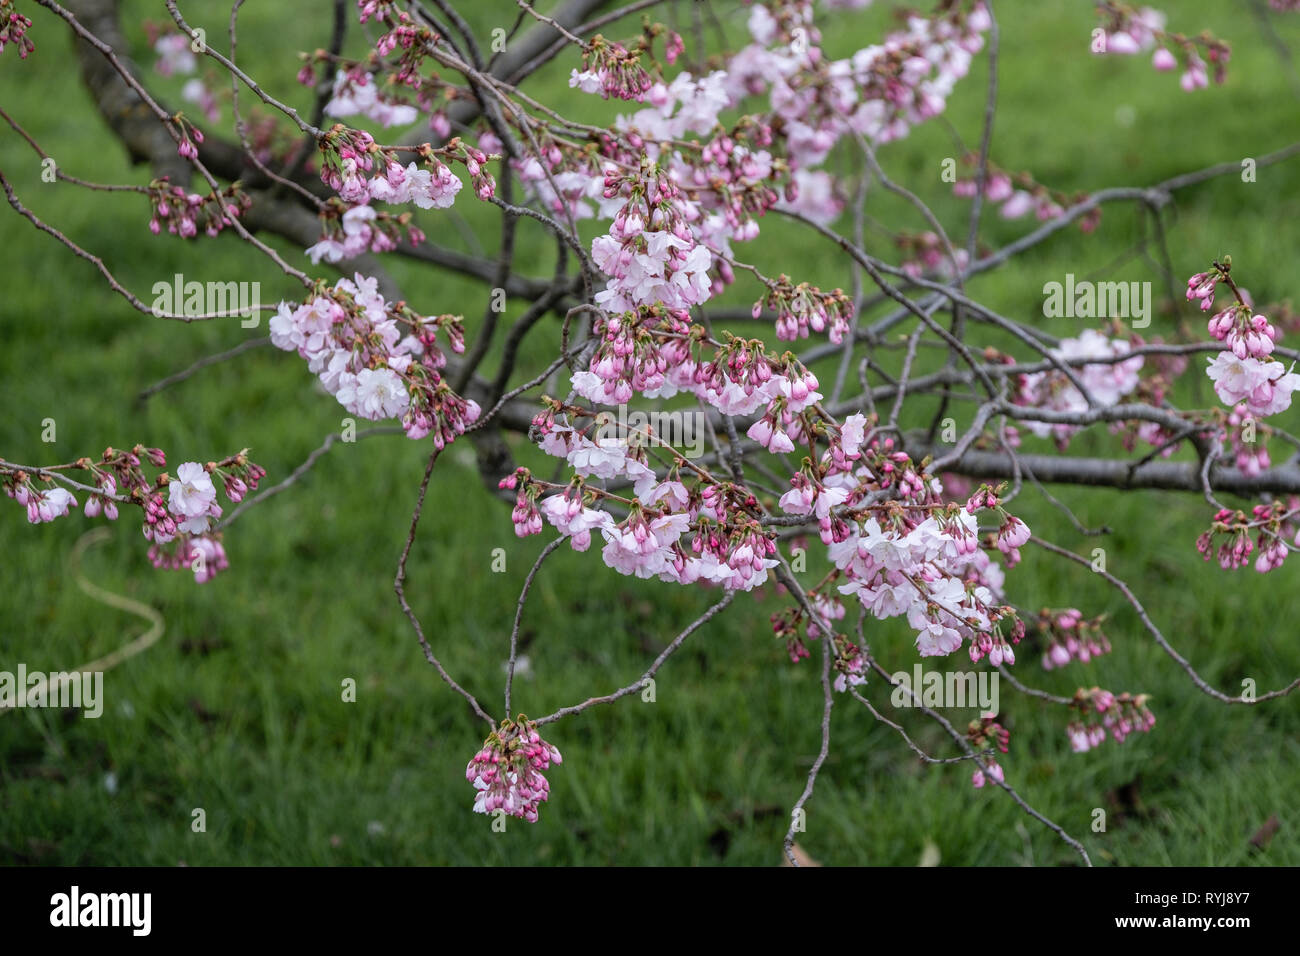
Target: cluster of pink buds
x,y
507,772
1243,373
1129,31
1202,286
895,469
348,154
473,159
202,554
977,778
184,213
1019,194
525,516
1248,336
1275,523
802,307
982,733
673,47
1121,715
850,664
1249,451
994,645
984,497
785,626
612,70
13,29
190,138
629,358
1233,533
1069,637
1012,536
740,179
924,254
985,731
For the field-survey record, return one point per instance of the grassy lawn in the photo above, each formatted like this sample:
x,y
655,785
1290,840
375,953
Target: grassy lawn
x,y
238,710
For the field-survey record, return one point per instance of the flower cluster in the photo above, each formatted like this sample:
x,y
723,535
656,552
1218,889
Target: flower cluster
x,y
1106,381
1120,715
925,254
1019,193
175,58
914,555
349,155
610,69
357,92
1274,524
13,29
981,733
1243,373
880,92
726,545
185,213
650,253
1068,637
179,527
379,359
1129,31
1249,453
803,307
349,231
507,772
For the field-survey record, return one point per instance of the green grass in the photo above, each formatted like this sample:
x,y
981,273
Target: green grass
x,y
238,709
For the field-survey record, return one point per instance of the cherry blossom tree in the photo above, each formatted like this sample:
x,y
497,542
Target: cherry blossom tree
x,y
803,393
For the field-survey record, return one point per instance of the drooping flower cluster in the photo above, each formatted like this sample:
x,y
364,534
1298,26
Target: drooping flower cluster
x,y
350,231
981,733
611,70
1106,381
650,253
1243,373
379,359
1019,193
911,555
507,772
1067,636
184,213
1129,31
706,532
350,156
1274,524
803,307
179,527
357,92
13,29
1121,715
